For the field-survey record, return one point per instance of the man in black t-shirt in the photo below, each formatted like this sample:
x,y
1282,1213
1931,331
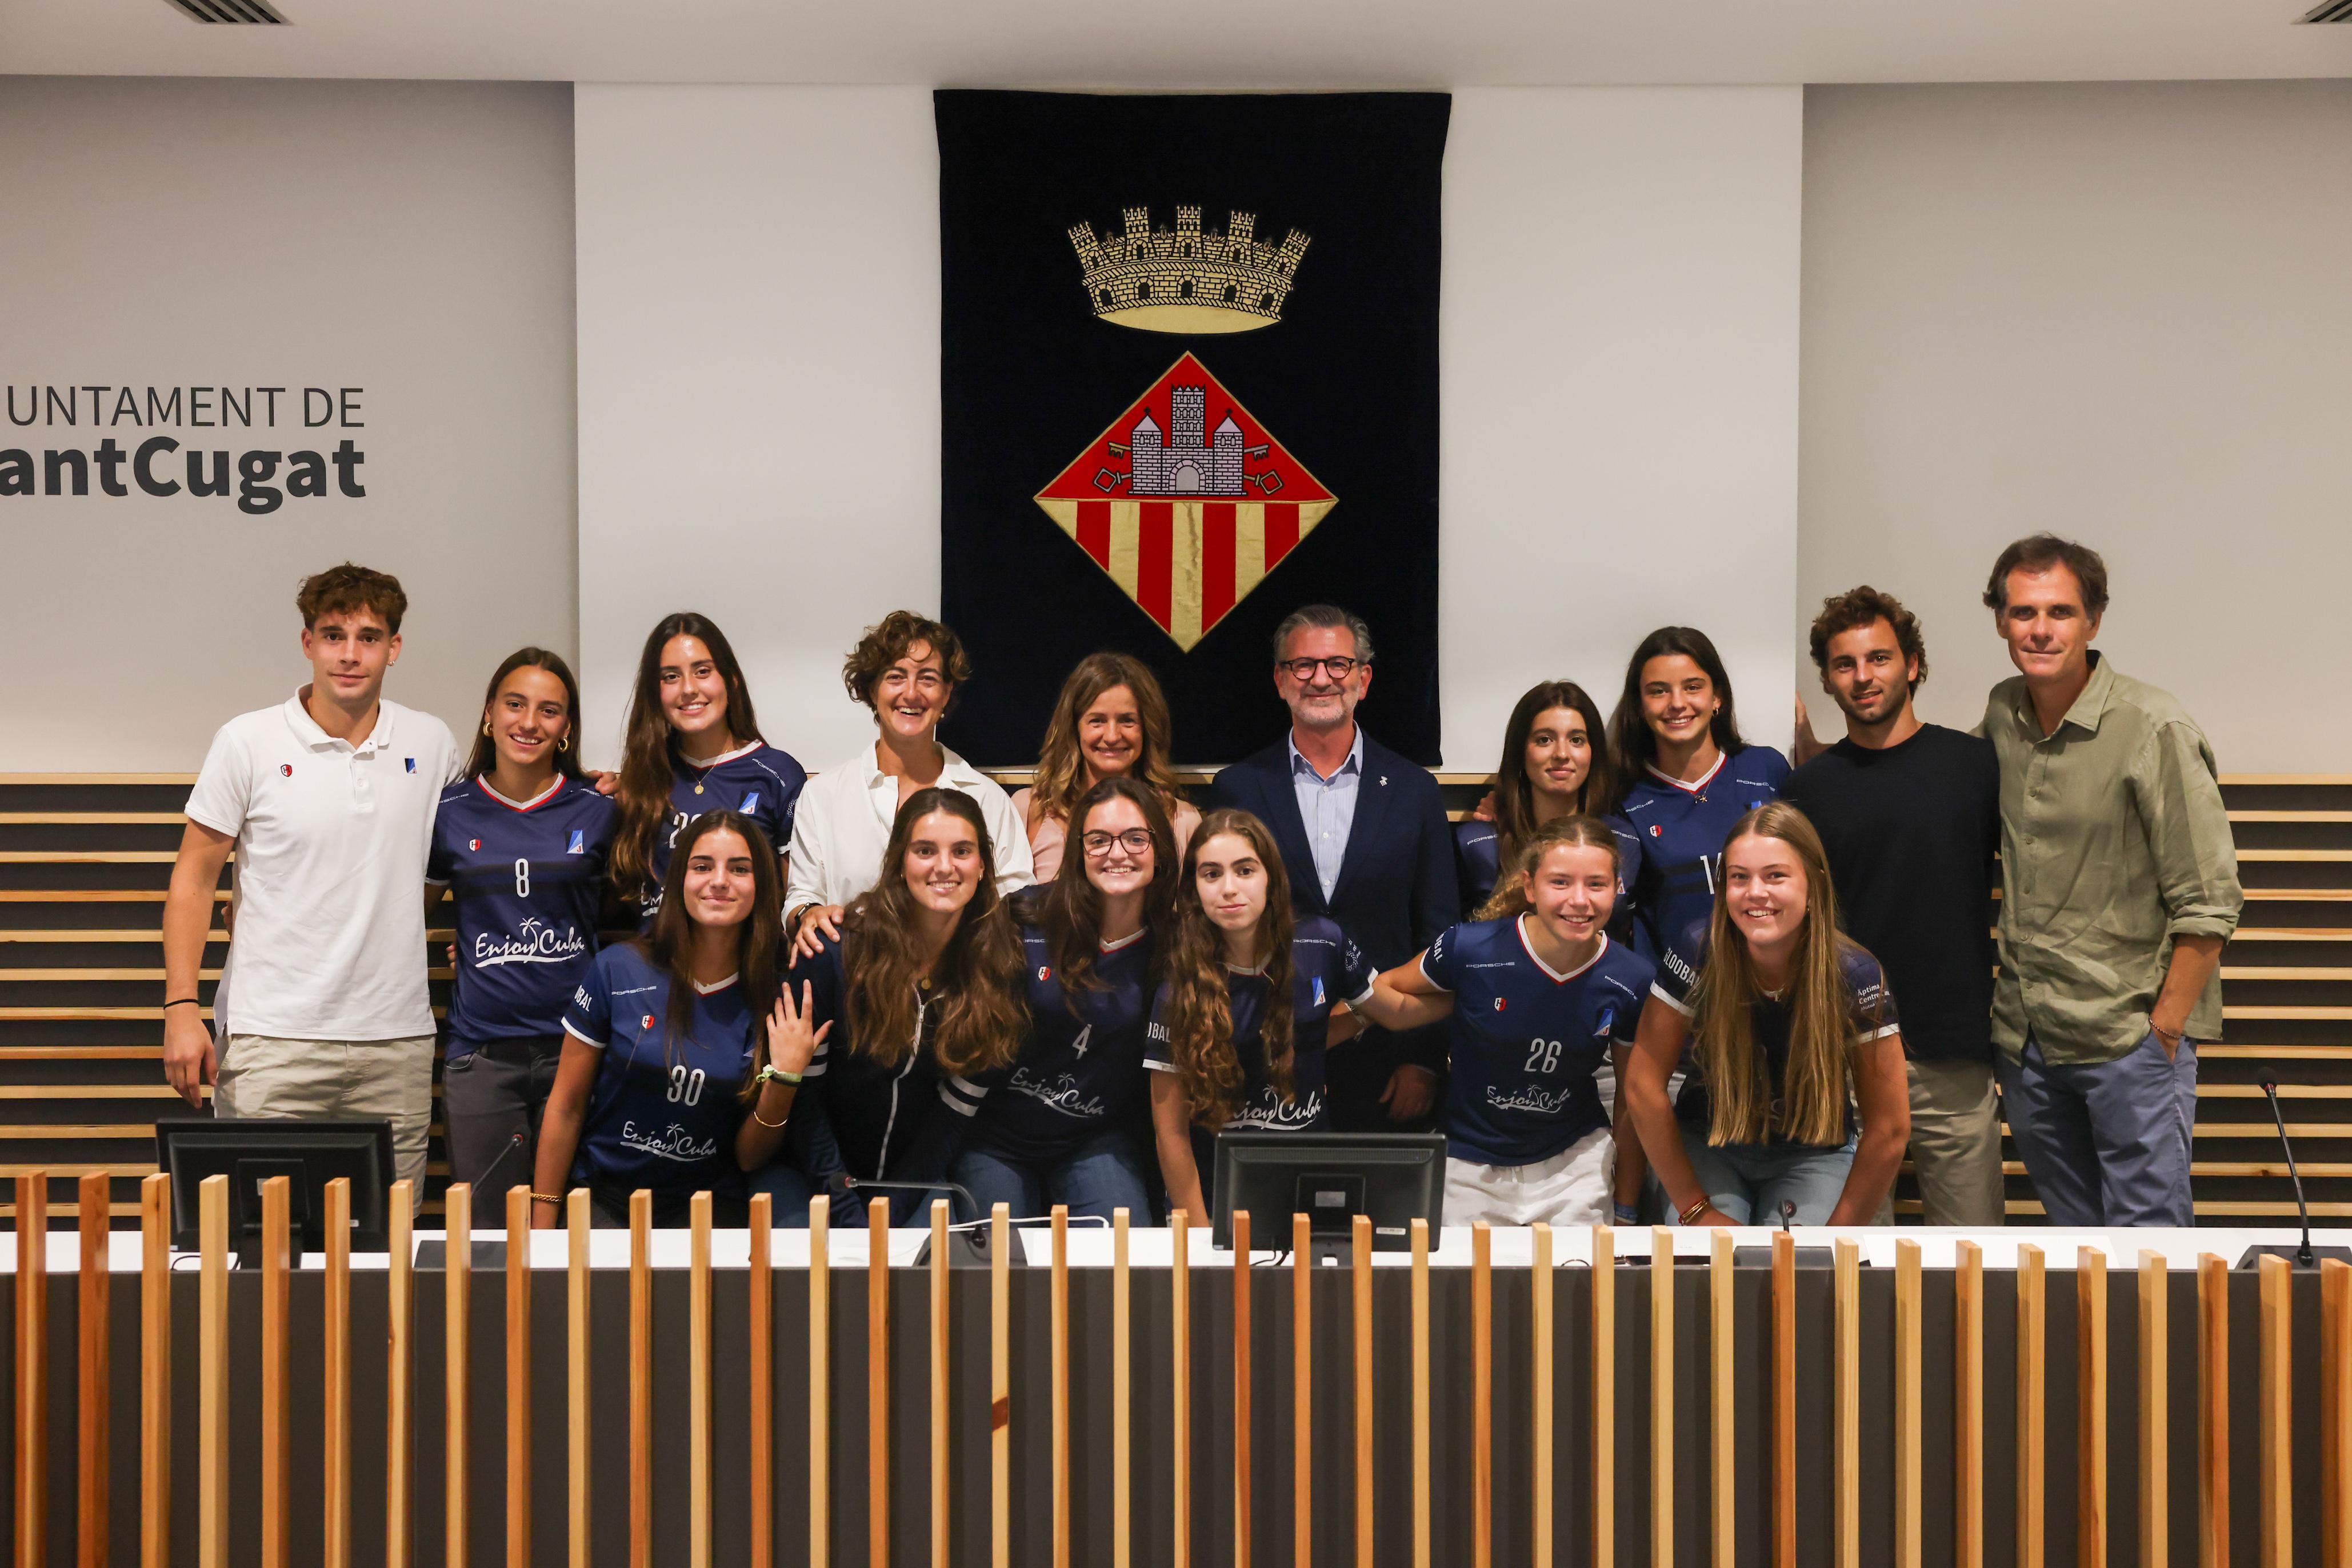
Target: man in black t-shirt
x,y
1910,814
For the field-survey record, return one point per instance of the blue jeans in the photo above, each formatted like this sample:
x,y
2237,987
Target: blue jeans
x,y
787,1188
2106,1143
1096,1176
1748,1181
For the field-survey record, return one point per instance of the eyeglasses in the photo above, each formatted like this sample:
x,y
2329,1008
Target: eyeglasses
x,y
1340,666
1135,841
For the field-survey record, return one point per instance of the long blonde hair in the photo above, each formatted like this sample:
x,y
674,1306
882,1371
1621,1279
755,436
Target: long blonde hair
x,y
1509,898
1061,779
1818,1082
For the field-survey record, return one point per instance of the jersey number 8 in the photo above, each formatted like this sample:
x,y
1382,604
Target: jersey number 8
x,y
685,1085
1543,1056
522,879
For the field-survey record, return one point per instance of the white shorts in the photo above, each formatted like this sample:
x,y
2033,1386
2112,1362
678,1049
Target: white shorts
x,y
1573,1187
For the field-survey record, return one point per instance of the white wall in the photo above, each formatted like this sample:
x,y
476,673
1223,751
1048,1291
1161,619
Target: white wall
x,y
1619,360
758,283
411,238
758,385
2117,311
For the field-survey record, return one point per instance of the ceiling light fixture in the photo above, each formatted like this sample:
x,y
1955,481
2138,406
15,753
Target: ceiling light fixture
x,y
251,12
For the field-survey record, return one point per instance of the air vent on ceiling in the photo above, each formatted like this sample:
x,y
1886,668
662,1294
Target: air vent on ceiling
x,y
248,11
2331,11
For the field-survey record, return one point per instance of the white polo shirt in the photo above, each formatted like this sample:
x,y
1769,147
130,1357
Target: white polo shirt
x,y
841,824
331,840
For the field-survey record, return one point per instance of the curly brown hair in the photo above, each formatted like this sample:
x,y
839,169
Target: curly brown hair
x,y
339,590
1858,607
889,640
1199,1014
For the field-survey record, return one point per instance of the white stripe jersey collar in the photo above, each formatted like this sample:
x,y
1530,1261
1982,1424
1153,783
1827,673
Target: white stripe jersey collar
x,y
1129,939
554,787
703,767
1556,977
703,990
1695,786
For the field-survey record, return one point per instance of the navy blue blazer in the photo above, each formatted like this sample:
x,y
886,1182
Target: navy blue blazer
x,y
1397,887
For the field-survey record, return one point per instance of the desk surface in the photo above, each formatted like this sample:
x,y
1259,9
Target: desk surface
x,y
1154,1248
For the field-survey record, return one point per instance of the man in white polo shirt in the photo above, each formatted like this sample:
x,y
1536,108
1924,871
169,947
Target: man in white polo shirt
x,y
329,801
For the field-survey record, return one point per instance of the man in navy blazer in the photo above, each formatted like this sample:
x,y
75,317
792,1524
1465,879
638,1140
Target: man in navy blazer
x,y
1365,841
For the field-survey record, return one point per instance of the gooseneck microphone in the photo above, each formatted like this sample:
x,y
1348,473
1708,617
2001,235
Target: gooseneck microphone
x,y
2303,1253
513,1144
1787,1214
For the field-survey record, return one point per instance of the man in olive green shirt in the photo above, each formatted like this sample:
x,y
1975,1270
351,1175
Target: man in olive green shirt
x,y
2119,884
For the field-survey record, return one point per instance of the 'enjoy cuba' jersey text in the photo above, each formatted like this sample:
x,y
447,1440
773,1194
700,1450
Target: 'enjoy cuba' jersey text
x,y
662,1113
1682,829
1528,1041
1081,1069
757,780
527,879
1326,970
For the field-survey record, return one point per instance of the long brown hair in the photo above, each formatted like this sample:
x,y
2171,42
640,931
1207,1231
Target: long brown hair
x,y
760,940
486,747
1818,1078
976,983
1510,899
648,765
1061,761
1068,909
1515,795
1632,744
1199,1016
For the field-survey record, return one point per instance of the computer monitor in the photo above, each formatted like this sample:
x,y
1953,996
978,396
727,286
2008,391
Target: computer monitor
x,y
1394,1178
249,1151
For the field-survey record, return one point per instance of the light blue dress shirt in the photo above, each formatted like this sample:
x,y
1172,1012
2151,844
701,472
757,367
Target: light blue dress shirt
x,y
1327,808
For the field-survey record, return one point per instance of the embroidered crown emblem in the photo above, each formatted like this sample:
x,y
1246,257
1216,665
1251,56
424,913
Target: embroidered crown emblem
x,y
1188,279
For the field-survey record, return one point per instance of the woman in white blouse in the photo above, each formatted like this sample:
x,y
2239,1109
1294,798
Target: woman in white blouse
x,y
907,669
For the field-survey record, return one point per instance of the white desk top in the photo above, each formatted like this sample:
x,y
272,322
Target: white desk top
x,y
1154,1248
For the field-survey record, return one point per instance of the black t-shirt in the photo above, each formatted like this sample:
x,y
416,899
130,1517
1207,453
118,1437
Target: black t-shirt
x,y
1911,832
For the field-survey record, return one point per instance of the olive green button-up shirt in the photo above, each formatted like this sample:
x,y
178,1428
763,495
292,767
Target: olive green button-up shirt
x,y
2114,841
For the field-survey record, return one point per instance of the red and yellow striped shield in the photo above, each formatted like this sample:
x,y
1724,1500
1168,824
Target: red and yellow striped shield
x,y
1186,501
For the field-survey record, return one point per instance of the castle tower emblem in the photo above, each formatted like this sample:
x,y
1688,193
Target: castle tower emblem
x,y
1187,519
1186,278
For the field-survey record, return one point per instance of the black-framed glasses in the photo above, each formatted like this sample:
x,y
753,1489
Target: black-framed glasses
x,y
1135,841
1339,665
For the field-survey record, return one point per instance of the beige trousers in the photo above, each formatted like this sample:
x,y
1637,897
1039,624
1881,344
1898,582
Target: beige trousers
x,y
261,1074
1955,1143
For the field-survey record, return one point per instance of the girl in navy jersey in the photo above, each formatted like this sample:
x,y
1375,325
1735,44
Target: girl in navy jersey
x,y
1793,1024
522,842
1541,1002
693,746
1058,1128
1240,1024
1684,777
663,1031
922,992
1555,763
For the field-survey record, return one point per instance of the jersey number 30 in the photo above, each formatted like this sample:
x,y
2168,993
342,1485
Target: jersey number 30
x,y
686,1085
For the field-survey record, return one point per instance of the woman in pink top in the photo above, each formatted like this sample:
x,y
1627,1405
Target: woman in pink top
x,y
1110,721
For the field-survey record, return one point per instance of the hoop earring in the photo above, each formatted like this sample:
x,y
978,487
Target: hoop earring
x,y
564,744
486,726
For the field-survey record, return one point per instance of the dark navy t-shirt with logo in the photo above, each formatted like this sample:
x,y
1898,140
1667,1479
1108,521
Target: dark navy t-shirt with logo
x,y
1326,970
1528,1041
757,780
528,880
1682,828
1871,1016
662,1114
1081,1070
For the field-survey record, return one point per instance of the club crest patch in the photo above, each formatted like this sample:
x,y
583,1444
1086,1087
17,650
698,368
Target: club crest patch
x,y
579,845
1186,518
